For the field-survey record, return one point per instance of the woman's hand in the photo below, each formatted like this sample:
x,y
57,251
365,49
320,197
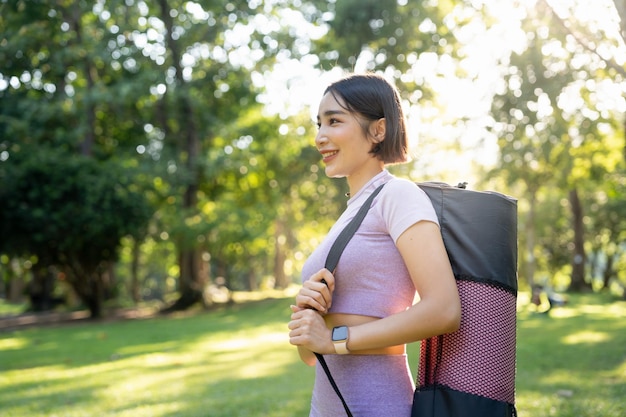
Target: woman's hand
x,y
317,292
308,330
307,327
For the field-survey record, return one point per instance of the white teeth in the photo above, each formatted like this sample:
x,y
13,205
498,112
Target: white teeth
x,y
327,154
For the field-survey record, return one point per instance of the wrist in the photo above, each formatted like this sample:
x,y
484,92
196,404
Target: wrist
x,y
339,338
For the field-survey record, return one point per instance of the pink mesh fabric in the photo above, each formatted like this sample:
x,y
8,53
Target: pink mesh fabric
x,y
479,358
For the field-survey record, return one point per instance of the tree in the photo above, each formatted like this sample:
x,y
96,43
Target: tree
x,y
607,246
546,118
210,53
61,89
71,212
154,85
387,36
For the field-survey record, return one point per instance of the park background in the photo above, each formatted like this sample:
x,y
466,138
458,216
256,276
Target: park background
x,y
157,156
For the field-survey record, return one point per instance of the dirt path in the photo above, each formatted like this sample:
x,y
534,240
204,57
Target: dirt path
x,y
8,323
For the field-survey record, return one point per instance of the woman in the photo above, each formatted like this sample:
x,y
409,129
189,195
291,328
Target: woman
x,y
368,300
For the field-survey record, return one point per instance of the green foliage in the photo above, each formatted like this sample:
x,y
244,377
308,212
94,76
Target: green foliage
x,y
386,35
554,138
265,192
10,309
607,208
554,233
70,212
158,86
170,89
61,207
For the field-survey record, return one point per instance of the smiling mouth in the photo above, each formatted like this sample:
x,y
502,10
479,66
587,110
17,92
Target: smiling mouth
x,y
329,154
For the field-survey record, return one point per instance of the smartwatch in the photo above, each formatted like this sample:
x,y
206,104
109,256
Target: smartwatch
x,y
340,340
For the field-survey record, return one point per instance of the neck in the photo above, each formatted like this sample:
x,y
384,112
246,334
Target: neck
x,y
357,181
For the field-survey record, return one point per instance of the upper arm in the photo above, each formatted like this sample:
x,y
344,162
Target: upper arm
x,y
424,254
438,310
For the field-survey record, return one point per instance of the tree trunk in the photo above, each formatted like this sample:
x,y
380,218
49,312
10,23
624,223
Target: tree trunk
x,y
280,278
578,283
88,284
190,280
608,272
89,110
40,290
530,238
190,284
620,6
15,288
15,282
134,272
109,282
253,283
96,296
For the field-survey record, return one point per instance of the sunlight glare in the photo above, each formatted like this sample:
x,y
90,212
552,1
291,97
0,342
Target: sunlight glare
x,y
246,342
586,337
450,132
13,343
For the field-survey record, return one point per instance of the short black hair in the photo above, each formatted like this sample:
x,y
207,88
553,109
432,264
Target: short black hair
x,y
372,97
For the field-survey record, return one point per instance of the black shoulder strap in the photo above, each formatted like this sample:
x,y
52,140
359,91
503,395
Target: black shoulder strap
x,y
346,234
331,263
322,362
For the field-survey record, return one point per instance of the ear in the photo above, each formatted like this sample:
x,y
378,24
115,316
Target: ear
x,y
378,129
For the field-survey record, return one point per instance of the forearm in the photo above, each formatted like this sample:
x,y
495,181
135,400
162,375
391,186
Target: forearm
x,y
423,320
306,356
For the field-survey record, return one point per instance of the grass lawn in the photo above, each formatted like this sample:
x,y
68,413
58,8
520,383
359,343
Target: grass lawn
x,y
237,362
572,363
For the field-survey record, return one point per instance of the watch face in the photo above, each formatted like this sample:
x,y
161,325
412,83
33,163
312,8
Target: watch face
x,y
340,333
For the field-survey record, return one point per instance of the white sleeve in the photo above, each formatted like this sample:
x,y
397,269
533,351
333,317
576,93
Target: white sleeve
x,y
402,204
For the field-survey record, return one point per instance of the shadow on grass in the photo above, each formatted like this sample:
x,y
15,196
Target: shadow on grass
x,y
233,362
238,362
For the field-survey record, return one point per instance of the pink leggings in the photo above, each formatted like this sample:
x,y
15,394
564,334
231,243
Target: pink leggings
x,y
372,385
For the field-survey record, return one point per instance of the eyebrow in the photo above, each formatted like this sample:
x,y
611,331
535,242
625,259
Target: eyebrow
x,y
332,113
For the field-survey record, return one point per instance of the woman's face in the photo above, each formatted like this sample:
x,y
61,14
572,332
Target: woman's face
x,y
342,141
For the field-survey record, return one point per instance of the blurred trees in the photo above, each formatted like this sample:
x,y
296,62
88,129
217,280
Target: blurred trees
x,y
560,142
71,213
165,103
63,124
165,87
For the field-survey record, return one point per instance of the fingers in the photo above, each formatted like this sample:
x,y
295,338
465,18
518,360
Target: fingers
x,y
326,277
314,297
299,326
316,292
308,329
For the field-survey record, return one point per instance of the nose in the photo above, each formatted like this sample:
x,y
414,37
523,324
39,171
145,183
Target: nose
x,y
320,139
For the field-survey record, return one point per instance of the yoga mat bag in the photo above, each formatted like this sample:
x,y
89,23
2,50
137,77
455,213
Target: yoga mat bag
x,y
471,372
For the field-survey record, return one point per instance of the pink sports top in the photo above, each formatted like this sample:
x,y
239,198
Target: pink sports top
x,y
371,278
